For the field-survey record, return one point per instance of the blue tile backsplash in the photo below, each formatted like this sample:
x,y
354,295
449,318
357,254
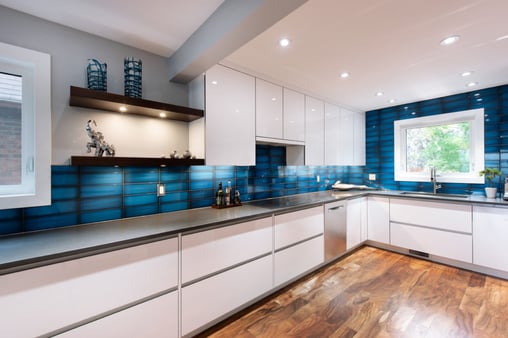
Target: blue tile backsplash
x,y
91,194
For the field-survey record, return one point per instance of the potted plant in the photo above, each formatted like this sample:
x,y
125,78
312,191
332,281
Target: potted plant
x,y
490,174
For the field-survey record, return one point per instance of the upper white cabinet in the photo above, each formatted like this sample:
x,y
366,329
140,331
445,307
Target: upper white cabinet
x,y
294,115
490,235
346,144
332,134
269,119
229,117
314,131
359,139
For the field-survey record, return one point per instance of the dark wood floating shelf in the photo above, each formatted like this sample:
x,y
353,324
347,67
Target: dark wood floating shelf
x,y
87,98
133,161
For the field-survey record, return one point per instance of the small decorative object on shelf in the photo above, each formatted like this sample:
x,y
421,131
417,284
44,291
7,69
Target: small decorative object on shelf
x,y
186,154
174,154
97,141
132,81
226,199
97,75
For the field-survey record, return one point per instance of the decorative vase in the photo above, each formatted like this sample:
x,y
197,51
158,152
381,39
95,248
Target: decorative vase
x,y
132,81
97,75
491,192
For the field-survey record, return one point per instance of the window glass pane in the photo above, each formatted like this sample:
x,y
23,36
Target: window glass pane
x,y
10,129
445,147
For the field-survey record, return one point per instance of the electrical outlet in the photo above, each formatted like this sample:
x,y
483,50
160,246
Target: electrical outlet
x,y
318,178
161,190
372,177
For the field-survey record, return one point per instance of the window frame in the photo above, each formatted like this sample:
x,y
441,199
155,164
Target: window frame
x,y
35,189
477,149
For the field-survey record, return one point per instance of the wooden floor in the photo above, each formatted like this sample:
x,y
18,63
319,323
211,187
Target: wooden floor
x,y
376,293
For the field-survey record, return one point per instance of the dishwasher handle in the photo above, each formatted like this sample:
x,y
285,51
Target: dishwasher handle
x,y
336,208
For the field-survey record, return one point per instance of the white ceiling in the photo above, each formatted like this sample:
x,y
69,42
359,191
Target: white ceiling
x,y
386,45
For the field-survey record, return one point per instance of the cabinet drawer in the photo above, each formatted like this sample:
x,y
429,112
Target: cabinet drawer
x,y
446,216
435,242
490,232
54,296
298,259
216,296
210,251
152,319
296,226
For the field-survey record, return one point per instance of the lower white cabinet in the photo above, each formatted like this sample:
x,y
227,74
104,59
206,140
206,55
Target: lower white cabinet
x,y
66,293
490,237
296,226
356,222
152,319
206,300
378,219
298,259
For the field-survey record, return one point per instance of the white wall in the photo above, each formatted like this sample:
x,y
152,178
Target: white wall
x,y
69,50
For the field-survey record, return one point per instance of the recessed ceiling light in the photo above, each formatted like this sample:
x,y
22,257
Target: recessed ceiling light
x,y
284,42
123,109
379,94
466,73
392,100
344,75
162,115
472,84
274,99
449,40
504,37
214,82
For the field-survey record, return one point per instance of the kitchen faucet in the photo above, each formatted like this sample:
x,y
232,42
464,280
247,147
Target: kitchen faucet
x,y
433,179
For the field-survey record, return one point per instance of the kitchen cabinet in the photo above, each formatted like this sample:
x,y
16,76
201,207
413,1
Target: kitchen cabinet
x,y
206,301
210,251
314,131
269,121
490,235
356,222
230,123
378,219
359,139
299,243
294,115
65,294
346,143
435,228
148,319
333,137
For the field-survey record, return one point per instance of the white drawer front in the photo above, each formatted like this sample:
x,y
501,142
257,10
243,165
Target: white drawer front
x,y
490,233
447,216
435,242
298,259
210,251
54,296
213,297
297,226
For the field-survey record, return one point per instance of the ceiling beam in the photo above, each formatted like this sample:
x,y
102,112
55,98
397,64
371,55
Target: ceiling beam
x,y
234,23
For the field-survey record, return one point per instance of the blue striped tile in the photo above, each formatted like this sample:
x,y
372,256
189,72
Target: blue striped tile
x,y
141,210
136,200
175,197
98,203
50,221
175,206
101,215
148,188
88,191
137,175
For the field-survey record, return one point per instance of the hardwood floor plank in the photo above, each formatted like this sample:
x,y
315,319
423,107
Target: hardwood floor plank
x,y
377,293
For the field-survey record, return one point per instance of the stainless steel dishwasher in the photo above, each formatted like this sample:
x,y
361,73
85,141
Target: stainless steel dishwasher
x,y
335,229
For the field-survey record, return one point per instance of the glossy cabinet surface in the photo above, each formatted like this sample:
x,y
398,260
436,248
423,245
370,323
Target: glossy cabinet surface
x,y
490,236
294,115
314,131
297,226
356,222
378,219
333,146
269,120
359,139
229,117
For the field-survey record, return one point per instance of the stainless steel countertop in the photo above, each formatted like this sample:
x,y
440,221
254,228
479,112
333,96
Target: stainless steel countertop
x,y
28,250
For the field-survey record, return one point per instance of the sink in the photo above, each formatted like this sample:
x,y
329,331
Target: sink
x,y
429,194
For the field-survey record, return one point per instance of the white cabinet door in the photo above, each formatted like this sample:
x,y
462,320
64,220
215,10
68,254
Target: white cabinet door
x,y
66,293
356,222
294,115
490,236
378,219
210,251
314,131
152,319
332,135
213,297
359,139
296,260
268,110
346,137
229,117
297,226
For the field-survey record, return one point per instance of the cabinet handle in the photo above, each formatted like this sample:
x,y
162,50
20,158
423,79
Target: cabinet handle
x,y
335,208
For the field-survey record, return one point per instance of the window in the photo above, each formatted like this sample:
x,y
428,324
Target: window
x,y
25,128
452,143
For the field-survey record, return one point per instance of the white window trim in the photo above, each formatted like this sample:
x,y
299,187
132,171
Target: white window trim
x,y
473,116
39,64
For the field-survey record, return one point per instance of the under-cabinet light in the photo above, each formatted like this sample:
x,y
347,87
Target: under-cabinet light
x,y
123,109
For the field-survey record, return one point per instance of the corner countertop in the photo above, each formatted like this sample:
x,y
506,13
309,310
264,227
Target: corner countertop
x,y
29,250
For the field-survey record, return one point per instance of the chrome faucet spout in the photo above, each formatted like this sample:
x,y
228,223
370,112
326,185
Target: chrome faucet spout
x,y
433,179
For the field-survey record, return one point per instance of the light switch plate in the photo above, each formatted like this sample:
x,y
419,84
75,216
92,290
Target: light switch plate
x,y
372,177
